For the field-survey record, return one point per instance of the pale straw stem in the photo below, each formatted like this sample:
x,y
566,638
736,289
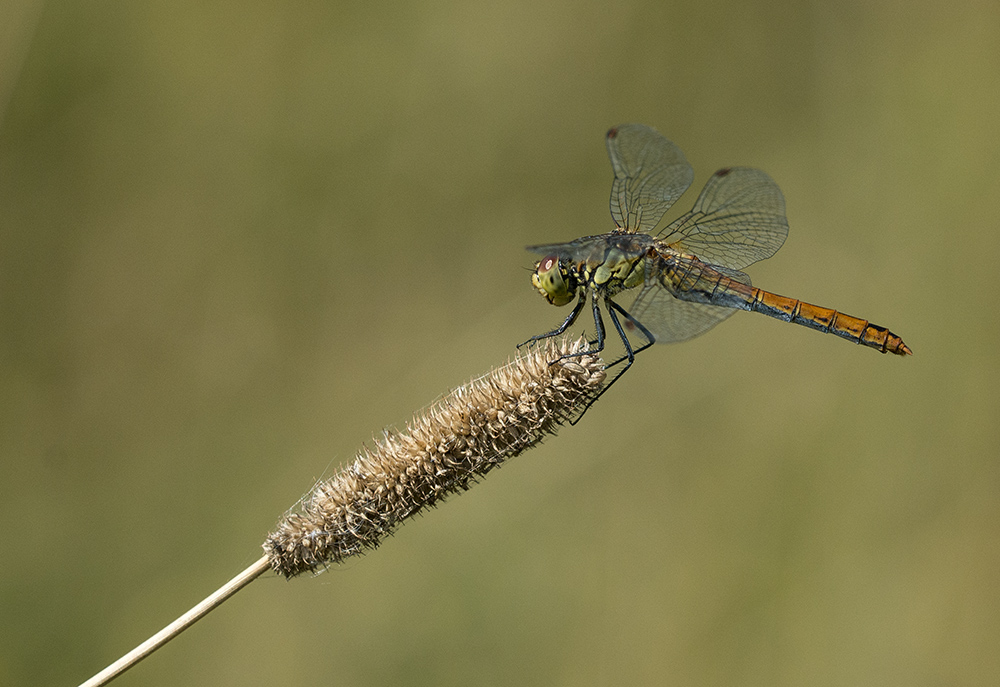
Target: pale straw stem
x,y
179,625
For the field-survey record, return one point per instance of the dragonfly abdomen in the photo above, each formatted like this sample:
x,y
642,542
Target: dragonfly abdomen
x,y
693,280
827,320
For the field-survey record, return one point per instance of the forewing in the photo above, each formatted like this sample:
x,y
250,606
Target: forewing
x,y
739,219
583,248
651,173
670,319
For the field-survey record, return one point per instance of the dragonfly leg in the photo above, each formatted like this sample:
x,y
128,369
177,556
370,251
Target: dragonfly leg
x,y
567,323
613,310
630,354
598,325
593,346
598,345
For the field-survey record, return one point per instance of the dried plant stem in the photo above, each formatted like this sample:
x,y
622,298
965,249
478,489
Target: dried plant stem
x,y
179,625
442,451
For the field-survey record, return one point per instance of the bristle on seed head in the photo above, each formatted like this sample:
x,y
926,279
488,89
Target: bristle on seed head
x,y
443,450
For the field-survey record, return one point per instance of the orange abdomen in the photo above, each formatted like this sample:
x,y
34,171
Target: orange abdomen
x,y
827,320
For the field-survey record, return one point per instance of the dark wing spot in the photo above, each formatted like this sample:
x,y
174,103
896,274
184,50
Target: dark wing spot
x,y
612,132
724,172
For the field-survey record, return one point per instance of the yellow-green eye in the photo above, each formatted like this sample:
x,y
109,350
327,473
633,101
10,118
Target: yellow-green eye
x,y
553,282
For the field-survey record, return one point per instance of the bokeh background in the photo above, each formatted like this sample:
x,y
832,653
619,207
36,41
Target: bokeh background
x,y
237,239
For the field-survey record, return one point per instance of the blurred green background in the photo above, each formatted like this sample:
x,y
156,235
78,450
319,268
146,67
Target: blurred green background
x,y
237,239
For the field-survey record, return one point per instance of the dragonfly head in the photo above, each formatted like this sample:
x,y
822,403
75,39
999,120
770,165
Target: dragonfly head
x,y
554,281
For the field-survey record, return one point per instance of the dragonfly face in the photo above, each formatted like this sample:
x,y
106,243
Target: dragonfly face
x,y
555,281
690,272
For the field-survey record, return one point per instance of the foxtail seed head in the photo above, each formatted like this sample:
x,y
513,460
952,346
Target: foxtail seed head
x,y
443,450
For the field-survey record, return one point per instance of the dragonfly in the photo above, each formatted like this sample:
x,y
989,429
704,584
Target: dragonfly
x,y
689,275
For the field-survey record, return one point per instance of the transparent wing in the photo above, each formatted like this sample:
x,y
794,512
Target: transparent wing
x,y
651,173
670,319
592,248
739,219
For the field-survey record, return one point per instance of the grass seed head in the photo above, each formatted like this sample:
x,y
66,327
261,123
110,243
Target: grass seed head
x,y
442,450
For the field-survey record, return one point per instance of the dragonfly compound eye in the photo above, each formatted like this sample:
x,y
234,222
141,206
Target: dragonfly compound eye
x,y
553,281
